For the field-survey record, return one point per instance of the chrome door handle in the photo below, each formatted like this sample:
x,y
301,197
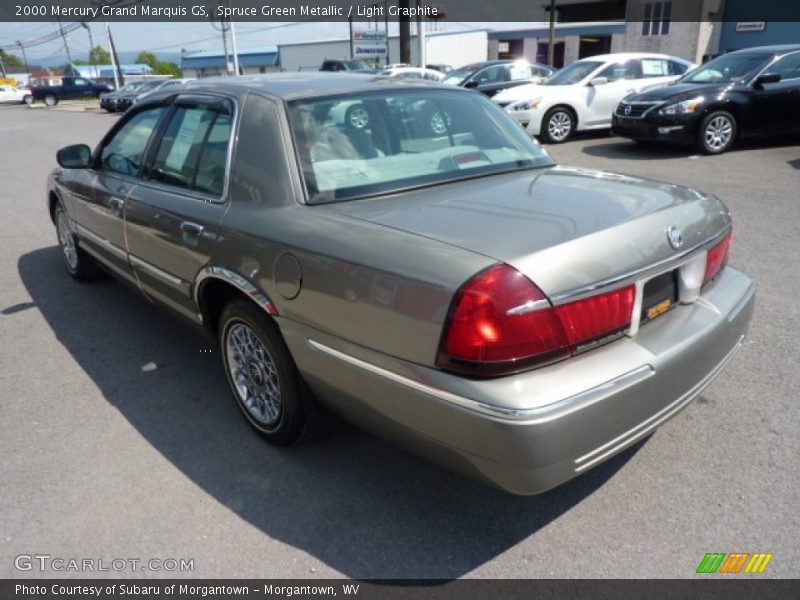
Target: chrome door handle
x,y
192,229
116,204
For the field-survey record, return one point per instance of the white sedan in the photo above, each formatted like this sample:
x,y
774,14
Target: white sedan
x,y
584,95
11,94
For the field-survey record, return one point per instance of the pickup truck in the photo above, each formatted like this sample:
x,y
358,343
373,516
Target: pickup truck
x,y
71,87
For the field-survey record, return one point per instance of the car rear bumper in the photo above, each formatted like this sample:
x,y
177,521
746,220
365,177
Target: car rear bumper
x,y
530,432
678,130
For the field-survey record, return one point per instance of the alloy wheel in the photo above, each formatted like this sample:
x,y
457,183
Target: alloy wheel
x,y
718,133
67,241
559,126
253,373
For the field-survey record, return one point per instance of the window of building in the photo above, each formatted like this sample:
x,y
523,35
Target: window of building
x,y
656,18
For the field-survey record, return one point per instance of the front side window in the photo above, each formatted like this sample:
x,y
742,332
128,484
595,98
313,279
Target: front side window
x,y
496,74
619,71
788,67
379,142
81,82
124,153
192,153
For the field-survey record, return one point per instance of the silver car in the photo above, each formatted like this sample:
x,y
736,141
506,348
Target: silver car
x,y
450,287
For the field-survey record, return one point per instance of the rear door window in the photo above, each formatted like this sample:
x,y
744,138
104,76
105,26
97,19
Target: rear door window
x,y
192,152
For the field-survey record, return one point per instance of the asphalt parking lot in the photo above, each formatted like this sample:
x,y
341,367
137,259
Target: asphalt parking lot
x,y
118,438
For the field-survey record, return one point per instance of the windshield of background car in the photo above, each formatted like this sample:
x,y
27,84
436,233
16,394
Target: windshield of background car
x,y
575,73
727,69
357,65
381,142
458,76
149,85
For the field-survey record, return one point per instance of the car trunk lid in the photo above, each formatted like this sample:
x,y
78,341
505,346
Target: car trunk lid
x,y
565,228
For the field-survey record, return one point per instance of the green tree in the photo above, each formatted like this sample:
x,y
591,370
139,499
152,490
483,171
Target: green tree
x,y
11,60
147,58
99,56
159,67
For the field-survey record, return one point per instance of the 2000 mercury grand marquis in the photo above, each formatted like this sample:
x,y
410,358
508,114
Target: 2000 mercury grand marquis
x,y
430,274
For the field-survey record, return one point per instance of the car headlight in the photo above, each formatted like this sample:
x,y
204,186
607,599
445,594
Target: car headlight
x,y
527,104
682,108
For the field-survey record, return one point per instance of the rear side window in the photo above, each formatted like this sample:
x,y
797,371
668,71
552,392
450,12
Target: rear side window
x,y
124,153
655,67
192,153
676,68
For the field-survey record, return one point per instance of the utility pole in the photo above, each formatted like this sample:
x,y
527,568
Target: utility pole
x,y
386,24
405,33
551,46
91,48
25,59
66,45
420,37
235,49
115,60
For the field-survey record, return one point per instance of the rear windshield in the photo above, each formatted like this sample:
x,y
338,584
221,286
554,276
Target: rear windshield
x,y
377,142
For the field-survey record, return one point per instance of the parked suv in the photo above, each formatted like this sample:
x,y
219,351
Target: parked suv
x,y
746,93
70,88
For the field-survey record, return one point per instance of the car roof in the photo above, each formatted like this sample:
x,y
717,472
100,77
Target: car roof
x,y
290,86
630,55
777,49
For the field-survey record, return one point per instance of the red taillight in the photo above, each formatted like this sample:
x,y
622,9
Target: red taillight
x,y
501,323
717,258
590,320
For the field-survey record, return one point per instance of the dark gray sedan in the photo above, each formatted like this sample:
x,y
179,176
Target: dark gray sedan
x,y
431,275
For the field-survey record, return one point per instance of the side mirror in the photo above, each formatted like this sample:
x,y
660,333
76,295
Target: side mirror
x,y
598,81
471,84
768,78
78,156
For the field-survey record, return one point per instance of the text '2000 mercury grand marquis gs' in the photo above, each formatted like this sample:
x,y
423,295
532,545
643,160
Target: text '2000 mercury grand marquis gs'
x,y
449,287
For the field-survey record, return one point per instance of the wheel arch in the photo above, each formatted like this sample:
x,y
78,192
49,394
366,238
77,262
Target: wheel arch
x,y
53,198
217,286
567,106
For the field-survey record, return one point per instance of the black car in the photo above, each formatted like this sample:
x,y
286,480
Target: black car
x,y
110,102
753,92
493,76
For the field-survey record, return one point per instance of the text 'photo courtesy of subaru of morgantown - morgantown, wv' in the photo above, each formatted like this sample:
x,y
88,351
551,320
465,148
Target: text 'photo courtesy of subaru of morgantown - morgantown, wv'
x,y
426,271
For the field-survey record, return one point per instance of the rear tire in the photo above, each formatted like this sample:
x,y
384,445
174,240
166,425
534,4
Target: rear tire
x,y
558,125
79,264
51,100
262,375
716,133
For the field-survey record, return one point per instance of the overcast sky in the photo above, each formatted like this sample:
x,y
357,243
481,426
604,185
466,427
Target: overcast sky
x,y
171,37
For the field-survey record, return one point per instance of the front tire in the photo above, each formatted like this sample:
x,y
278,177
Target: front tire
x,y
79,265
28,99
717,132
261,373
558,125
